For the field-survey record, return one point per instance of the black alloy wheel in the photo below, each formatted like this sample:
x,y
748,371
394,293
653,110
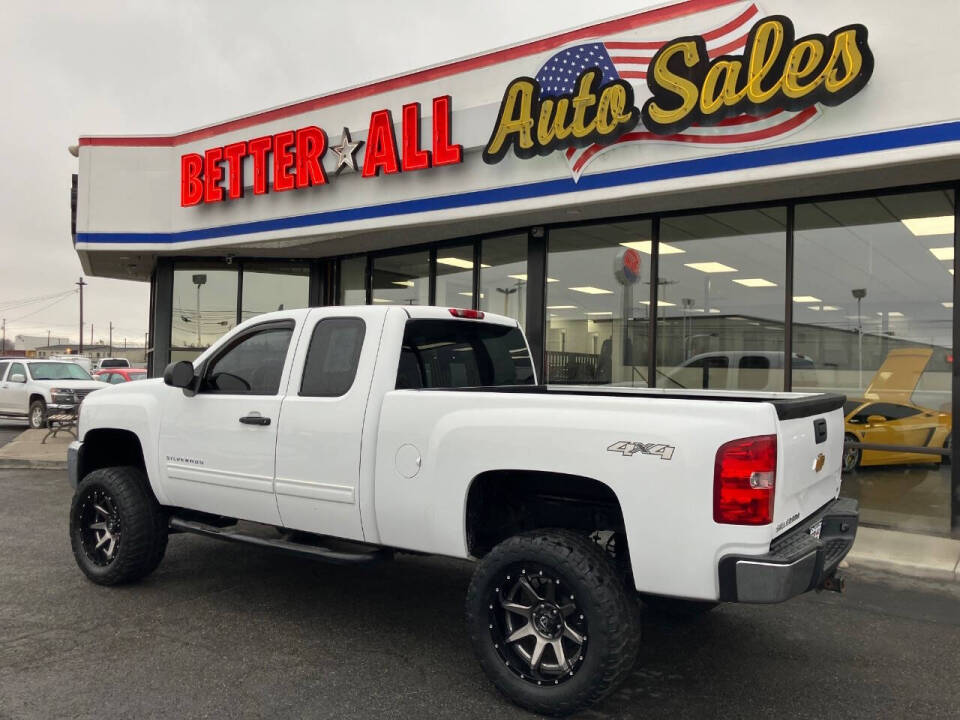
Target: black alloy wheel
x,y
552,623
537,627
99,526
118,531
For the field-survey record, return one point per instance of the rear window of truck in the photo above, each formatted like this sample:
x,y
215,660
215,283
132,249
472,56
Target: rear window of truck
x,y
462,353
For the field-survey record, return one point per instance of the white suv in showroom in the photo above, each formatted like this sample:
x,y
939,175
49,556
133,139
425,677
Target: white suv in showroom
x,y
31,389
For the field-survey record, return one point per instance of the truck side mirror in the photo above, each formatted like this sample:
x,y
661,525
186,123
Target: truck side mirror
x,y
18,378
179,374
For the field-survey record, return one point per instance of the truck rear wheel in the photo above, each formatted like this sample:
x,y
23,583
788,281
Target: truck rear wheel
x,y
552,623
118,531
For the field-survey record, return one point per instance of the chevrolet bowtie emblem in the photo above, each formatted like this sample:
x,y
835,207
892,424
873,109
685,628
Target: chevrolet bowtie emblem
x,y
818,463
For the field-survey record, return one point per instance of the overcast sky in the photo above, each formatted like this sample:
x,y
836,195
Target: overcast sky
x,y
72,68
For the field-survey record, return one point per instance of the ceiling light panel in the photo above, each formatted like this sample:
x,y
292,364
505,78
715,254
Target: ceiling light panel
x,y
754,282
922,227
590,290
710,267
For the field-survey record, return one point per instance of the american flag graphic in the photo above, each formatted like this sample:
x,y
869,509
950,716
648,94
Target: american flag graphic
x,y
628,60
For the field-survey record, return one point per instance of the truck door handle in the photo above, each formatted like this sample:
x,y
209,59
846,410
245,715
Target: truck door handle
x,y
255,419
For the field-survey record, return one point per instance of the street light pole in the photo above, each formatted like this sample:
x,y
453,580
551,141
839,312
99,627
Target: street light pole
x,y
199,279
81,284
110,342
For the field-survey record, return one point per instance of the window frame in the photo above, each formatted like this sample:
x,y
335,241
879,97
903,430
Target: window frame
x,y
280,324
356,362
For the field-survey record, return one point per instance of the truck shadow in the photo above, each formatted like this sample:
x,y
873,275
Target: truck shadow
x,y
409,611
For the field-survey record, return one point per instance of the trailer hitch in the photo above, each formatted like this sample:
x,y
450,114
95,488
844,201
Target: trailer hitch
x,y
833,583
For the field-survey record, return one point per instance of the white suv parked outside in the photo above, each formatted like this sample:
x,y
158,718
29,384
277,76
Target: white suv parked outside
x,y
32,388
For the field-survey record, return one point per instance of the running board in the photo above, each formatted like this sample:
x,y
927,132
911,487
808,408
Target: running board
x,y
302,549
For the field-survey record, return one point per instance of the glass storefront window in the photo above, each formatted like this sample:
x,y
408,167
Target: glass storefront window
x,y
353,288
597,316
402,279
274,286
503,276
720,305
873,314
204,307
455,276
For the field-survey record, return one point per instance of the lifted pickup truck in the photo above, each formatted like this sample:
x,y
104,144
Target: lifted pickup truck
x,y
354,431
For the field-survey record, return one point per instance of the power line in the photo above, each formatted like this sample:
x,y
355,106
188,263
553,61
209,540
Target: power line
x,y
45,307
13,304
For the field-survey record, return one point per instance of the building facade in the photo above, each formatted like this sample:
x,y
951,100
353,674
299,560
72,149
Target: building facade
x,y
708,194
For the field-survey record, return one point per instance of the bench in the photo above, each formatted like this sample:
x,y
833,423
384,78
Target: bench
x,y
60,422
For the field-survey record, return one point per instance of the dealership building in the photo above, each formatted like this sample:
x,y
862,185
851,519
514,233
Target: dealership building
x,y
705,194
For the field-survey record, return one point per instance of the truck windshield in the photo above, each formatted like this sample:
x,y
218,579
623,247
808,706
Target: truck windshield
x,y
58,371
462,353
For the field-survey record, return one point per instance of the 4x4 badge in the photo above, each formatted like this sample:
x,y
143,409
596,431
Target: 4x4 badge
x,y
628,449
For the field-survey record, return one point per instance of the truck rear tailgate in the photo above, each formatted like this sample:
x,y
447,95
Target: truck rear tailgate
x,y
811,452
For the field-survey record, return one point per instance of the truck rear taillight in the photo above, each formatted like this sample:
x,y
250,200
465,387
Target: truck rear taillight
x,y
743,480
467,314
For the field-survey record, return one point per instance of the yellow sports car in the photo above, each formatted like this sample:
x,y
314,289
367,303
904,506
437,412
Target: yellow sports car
x,y
885,416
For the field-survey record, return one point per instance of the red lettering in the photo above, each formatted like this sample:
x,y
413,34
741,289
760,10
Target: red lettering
x,y
413,157
381,151
311,145
212,175
443,152
282,161
258,149
191,179
234,155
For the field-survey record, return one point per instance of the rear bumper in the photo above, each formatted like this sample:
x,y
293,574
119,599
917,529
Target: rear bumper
x,y
797,562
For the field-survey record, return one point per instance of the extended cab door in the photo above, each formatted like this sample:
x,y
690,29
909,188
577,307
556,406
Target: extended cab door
x,y
217,447
321,421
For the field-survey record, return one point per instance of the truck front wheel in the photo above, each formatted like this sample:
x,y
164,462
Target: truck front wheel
x,y
38,414
552,623
118,531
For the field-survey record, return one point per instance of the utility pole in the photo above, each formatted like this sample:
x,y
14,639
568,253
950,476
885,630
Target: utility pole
x,y
81,285
91,334
48,338
3,347
110,345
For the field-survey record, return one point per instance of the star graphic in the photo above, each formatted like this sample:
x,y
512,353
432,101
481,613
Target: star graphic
x,y
346,152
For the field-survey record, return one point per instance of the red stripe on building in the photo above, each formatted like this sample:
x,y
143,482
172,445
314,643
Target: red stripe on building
x,y
741,19
610,27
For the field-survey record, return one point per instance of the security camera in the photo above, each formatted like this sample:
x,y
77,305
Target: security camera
x,y
229,259
859,293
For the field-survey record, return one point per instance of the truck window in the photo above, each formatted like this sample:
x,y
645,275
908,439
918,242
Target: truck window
x,y
754,372
462,353
332,357
3,369
251,364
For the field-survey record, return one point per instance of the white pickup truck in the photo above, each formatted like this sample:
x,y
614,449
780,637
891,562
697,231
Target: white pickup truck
x,y
344,433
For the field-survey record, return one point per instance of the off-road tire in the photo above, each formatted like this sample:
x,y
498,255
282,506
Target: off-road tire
x,y
143,538
675,608
38,411
610,610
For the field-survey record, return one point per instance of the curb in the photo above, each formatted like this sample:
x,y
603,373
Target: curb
x,y
908,554
23,464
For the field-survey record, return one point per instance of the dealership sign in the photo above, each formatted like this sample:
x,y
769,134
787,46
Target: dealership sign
x,y
701,90
296,156
744,82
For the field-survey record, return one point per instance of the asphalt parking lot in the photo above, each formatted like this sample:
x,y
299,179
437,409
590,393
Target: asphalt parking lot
x,y
9,429
222,630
